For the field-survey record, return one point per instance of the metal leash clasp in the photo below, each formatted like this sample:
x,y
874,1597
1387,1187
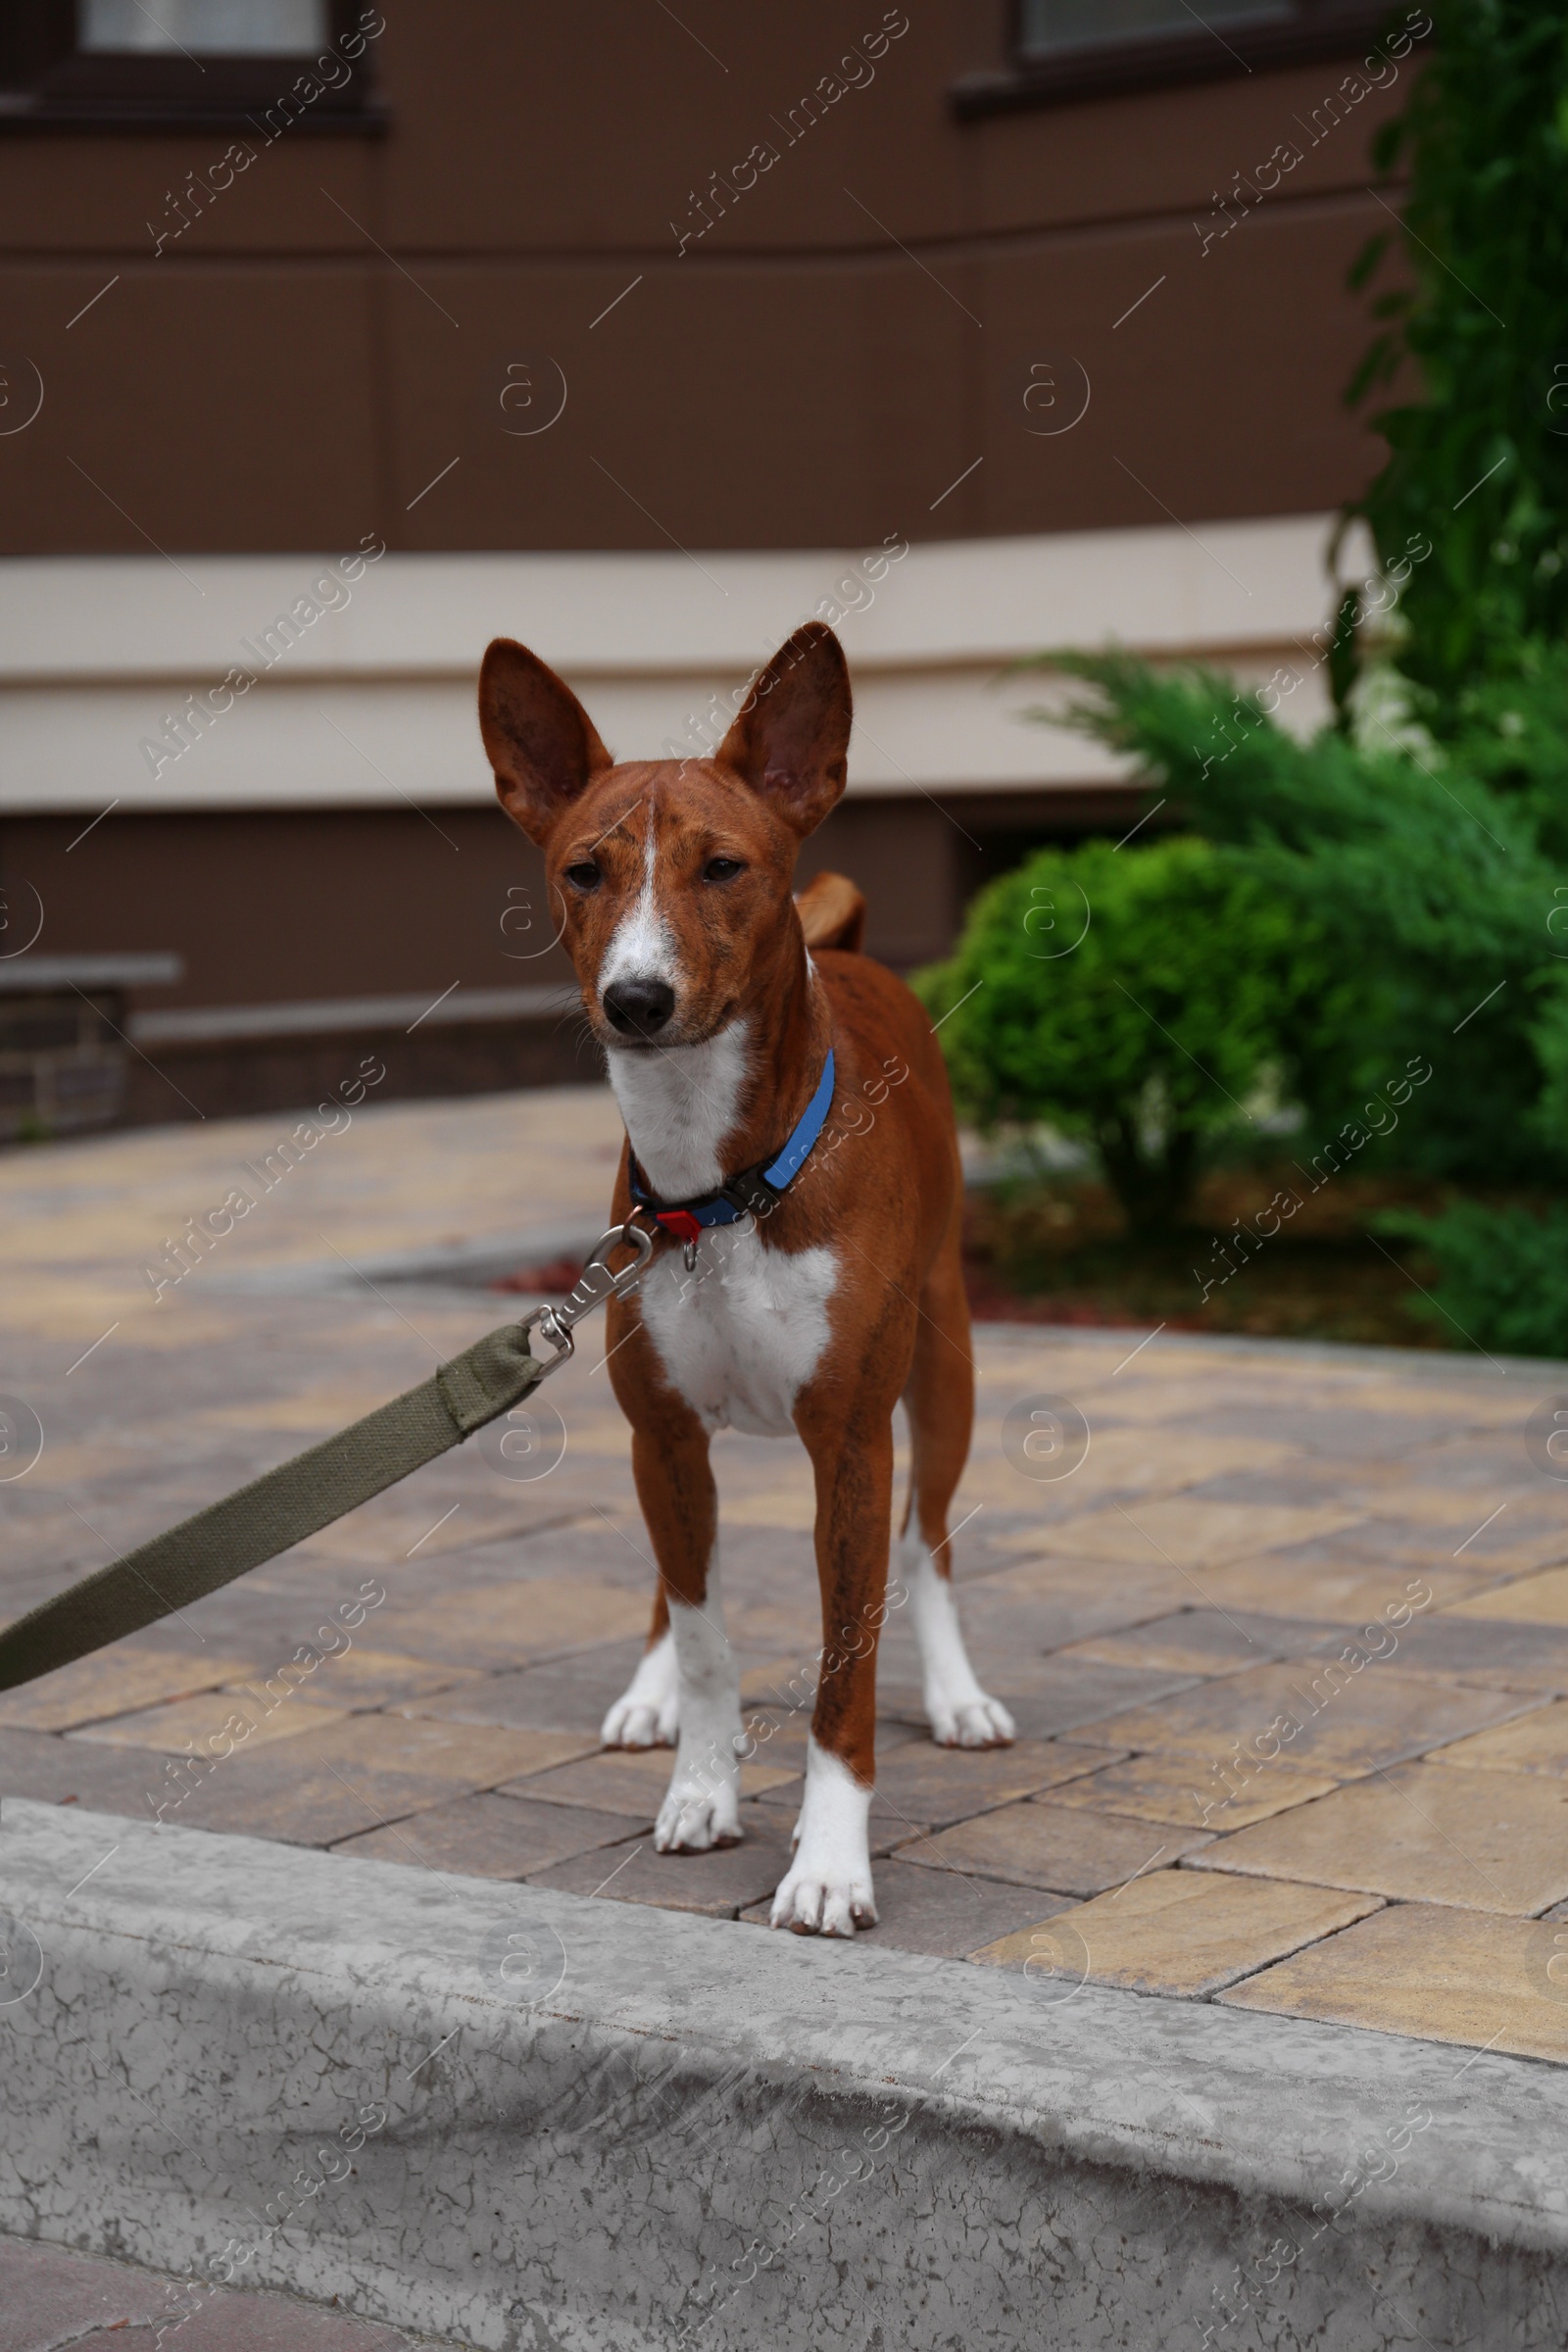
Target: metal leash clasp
x,y
595,1286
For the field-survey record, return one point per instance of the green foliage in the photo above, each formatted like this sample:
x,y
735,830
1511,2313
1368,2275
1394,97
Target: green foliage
x,y
1422,878
1512,732
1502,1275
1129,996
1480,462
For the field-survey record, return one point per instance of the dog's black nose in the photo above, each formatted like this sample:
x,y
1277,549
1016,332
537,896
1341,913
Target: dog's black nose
x,y
639,1008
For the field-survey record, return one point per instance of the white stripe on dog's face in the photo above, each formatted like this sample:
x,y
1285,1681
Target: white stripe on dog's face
x,y
641,945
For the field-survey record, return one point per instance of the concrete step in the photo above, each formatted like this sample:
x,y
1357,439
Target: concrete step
x,y
527,2119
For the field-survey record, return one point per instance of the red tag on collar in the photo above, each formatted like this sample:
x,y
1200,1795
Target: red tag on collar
x,y
681,1223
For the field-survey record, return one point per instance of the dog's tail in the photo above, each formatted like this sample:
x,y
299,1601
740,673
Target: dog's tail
x,y
832,914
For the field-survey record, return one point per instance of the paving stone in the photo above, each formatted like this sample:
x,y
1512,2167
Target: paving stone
x,y
1345,1722
1338,1594
479,1756
384,1678
1171,1932
1203,1641
1451,1535
1459,1528
1173,1788
1365,1431
1038,1844
1532,1600
355,1773
1481,1840
1063,1601
113,1682
1190,1534
219,1723
1300,1484
628,1780
1130,1462
940,1911
1533,1743
499,1625
1046,1697
783,1623
720,1884
65,1772
1385,1537
262,1629
571,1694
1499,1654
1440,1974
782,1740
494,1837
943,1785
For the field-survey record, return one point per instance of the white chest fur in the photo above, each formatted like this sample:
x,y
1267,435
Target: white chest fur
x,y
741,1336
679,1103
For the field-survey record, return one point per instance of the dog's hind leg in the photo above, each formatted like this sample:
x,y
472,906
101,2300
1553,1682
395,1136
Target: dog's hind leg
x,y
647,1714
940,1400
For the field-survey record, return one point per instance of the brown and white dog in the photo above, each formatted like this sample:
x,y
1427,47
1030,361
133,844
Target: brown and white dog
x,y
717,1019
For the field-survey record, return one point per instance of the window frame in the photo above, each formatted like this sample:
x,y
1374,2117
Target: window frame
x,y
47,84
1122,64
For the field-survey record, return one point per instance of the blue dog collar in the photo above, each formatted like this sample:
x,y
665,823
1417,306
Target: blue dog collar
x,y
755,1190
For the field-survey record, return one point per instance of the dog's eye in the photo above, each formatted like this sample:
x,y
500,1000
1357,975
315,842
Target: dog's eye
x,y
723,870
583,877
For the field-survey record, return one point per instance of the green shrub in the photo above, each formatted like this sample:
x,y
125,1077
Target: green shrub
x,y
1131,997
1424,887
1502,1274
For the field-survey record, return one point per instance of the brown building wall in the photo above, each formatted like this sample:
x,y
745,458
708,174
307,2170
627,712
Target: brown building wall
x,y
815,370
323,353
282,907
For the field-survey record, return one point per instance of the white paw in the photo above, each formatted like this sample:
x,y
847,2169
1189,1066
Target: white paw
x,y
827,1889
812,1904
632,1724
647,1714
981,1722
693,1821
959,1712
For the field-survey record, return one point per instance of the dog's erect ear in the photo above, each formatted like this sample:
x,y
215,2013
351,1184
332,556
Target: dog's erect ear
x,y
538,738
791,740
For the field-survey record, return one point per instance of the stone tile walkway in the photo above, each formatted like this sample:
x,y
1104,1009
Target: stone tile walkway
x,y
1288,1649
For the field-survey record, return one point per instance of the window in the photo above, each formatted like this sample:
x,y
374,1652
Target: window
x,y
160,65
1068,49
1047,26
205,28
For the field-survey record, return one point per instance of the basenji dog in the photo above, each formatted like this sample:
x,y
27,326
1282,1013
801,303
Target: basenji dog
x,y
791,1142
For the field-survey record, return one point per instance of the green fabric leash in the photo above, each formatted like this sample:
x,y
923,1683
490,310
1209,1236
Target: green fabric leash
x,y
299,1497
276,1510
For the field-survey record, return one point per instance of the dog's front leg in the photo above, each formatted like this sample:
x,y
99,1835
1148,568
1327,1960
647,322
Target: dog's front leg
x,y
827,1890
680,1506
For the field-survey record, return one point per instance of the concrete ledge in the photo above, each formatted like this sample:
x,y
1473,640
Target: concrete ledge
x,y
225,1024
33,975
606,2126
